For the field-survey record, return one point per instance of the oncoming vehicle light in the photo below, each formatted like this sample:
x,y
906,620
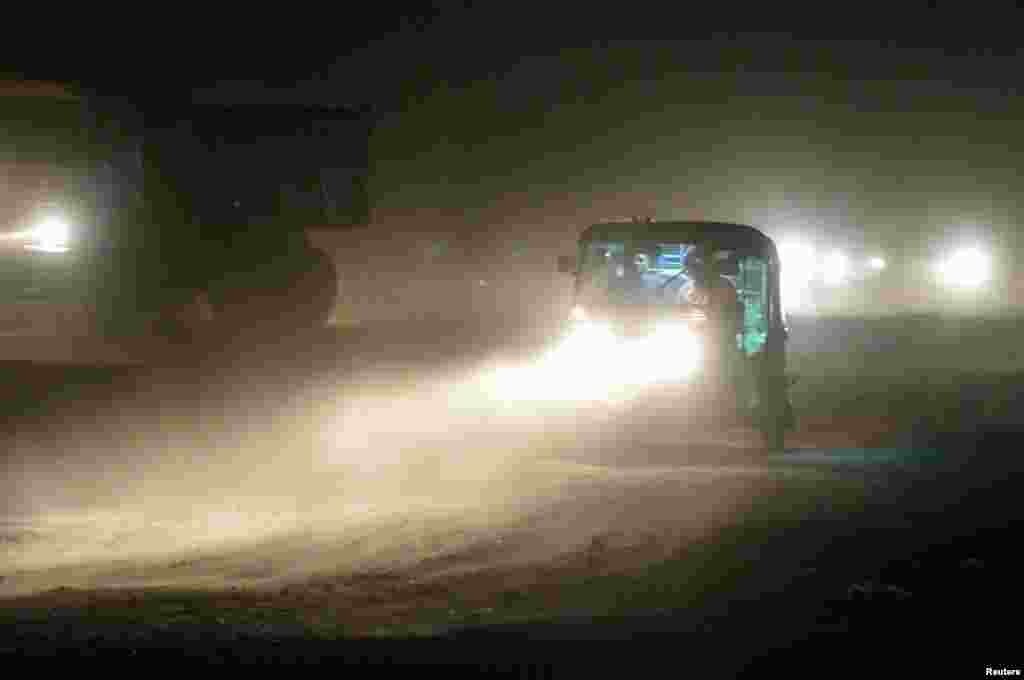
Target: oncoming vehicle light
x,y
672,352
51,235
969,267
582,367
835,268
593,364
799,266
587,339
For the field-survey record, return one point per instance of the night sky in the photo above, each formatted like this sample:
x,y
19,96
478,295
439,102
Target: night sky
x,y
882,146
489,124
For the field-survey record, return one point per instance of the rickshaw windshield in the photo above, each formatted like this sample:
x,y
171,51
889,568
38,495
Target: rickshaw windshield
x,y
668,274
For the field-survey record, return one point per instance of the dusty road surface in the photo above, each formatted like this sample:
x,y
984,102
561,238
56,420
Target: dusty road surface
x,y
385,484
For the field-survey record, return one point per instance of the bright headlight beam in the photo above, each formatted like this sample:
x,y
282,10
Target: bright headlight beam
x,y
589,344
798,269
969,267
581,368
673,352
592,364
51,235
798,259
835,268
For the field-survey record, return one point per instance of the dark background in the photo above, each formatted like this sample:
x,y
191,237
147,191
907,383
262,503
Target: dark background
x,y
892,132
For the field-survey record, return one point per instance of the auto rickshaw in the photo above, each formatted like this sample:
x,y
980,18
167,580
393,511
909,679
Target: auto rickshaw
x,y
691,303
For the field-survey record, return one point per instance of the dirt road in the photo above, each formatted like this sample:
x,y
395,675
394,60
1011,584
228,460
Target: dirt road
x,y
377,497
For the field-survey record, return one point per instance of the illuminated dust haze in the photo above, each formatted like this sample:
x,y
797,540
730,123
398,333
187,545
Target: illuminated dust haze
x,y
890,175
390,465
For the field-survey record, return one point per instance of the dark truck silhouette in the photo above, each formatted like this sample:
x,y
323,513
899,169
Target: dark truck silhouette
x,y
165,217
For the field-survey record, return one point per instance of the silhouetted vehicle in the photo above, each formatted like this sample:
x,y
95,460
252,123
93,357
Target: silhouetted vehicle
x,y
125,219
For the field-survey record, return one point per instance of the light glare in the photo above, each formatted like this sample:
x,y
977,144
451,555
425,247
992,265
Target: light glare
x,y
51,235
966,268
835,268
592,364
798,269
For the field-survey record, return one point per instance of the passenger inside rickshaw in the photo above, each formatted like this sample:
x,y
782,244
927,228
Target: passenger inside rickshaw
x,y
676,274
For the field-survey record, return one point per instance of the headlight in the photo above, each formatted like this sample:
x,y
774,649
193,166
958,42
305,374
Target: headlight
x,y
674,333
581,367
965,268
588,337
835,268
673,353
798,258
799,267
592,364
51,235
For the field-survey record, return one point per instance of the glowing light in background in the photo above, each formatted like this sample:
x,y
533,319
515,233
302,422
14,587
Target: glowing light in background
x,y
51,236
876,263
966,268
835,268
799,267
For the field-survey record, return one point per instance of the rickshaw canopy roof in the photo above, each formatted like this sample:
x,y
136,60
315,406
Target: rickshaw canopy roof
x,y
722,235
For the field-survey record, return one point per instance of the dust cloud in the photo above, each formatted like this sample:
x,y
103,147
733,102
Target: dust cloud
x,y
261,478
